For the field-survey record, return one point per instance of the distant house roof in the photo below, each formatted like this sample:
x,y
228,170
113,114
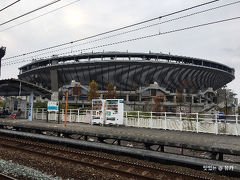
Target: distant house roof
x,y
16,87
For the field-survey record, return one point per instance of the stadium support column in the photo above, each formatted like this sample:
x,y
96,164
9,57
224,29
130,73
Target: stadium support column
x,y
54,82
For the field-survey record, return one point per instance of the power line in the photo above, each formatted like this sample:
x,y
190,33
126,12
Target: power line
x,y
144,27
139,38
140,28
9,5
114,30
53,2
39,16
158,34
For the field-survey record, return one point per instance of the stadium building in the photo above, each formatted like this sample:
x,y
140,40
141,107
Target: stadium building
x,y
175,83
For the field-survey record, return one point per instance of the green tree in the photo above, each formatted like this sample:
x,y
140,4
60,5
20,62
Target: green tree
x,y
63,106
111,92
159,103
2,103
179,100
40,104
93,88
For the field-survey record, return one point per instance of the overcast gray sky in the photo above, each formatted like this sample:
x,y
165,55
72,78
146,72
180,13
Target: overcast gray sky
x,y
219,42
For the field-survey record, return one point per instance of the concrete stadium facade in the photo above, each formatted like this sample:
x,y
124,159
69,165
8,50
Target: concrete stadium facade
x,y
131,74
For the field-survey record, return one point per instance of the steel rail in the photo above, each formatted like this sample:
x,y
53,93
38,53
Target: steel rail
x,y
6,177
94,156
89,164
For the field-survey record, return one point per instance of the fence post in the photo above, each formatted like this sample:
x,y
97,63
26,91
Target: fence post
x,y
36,113
197,123
181,122
216,124
165,120
90,120
47,115
138,123
78,116
70,113
126,119
58,116
42,113
62,114
33,113
56,113
151,121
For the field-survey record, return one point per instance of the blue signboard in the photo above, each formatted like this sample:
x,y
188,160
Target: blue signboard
x,y
53,106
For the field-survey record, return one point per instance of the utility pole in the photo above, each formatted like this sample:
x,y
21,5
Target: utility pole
x,y
2,53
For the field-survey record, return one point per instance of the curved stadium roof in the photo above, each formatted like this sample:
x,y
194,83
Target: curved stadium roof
x,y
129,71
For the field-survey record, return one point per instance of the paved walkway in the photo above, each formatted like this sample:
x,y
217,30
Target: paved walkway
x,y
199,141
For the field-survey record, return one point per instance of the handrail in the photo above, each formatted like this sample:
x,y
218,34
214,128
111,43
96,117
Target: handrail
x,y
195,122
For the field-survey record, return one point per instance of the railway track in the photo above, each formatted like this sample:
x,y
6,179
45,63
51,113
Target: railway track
x,y
6,177
124,168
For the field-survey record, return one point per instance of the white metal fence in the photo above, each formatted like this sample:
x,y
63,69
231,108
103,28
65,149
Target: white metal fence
x,y
194,122
205,123
73,115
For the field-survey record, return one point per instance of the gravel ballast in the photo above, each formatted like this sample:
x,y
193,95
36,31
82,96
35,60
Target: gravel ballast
x,y
16,170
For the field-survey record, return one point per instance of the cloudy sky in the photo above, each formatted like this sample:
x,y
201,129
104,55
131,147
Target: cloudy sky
x,y
219,42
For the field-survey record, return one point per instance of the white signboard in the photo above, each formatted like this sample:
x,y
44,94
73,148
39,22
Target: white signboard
x,y
183,109
53,106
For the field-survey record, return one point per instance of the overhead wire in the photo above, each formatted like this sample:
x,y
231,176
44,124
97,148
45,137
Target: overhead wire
x,y
114,30
161,33
25,14
142,37
39,16
137,29
144,27
9,5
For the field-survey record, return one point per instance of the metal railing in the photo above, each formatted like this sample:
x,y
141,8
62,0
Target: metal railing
x,y
194,122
